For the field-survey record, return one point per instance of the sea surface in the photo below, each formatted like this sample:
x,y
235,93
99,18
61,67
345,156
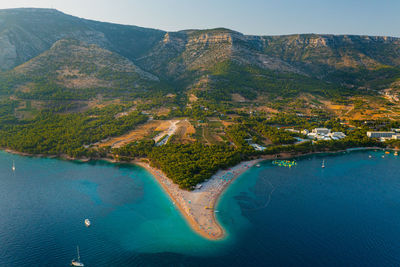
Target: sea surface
x,y
347,214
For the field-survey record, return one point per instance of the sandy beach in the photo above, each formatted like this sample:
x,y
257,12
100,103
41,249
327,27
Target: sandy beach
x,y
198,206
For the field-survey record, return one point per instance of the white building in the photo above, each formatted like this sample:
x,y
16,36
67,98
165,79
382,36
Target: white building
x,y
312,135
258,147
396,136
337,135
321,131
324,134
380,134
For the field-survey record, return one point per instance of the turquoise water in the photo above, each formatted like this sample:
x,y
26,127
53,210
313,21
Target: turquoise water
x,y
347,214
44,202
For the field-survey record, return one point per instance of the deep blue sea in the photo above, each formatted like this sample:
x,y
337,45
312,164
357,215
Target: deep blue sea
x,y
347,214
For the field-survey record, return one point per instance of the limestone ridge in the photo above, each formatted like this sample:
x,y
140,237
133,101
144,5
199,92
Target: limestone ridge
x,y
195,58
308,54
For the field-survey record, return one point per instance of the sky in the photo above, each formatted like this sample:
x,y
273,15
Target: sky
x,y
258,17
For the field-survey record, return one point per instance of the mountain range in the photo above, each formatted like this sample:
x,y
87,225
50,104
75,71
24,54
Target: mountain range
x,y
46,53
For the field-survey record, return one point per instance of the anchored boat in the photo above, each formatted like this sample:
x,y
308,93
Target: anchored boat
x,y
87,222
77,262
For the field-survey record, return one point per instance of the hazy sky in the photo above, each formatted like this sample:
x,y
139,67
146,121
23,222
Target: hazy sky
x,y
262,17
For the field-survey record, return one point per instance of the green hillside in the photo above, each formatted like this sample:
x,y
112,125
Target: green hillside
x,y
80,88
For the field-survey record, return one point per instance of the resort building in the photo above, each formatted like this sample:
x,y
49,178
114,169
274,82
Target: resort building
x,y
258,147
380,134
336,135
322,131
324,134
396,136
312,135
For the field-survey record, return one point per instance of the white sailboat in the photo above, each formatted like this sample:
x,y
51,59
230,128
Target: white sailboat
x,y
13,166
78,261
87,222
323,164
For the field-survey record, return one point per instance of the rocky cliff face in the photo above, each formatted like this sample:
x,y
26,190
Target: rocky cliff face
x,y
197,51
331,51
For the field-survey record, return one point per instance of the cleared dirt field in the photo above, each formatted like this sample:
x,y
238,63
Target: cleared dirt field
x,y
182,129
368,109
192,98
226,123
338,110
184,132
141,132
238,98
166,128
267,110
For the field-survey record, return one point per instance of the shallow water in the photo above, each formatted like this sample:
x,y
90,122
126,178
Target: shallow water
x,y
345,214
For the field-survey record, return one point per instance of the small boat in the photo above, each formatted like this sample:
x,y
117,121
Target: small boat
x,y
370,156
77,262
396,154
13,166
258,165
387,152
216,210
383,156
87,222
323,164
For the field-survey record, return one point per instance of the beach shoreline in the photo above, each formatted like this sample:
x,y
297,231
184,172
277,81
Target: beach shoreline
x,y
198,206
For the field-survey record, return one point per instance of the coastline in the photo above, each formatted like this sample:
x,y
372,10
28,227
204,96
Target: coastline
x,y
198,206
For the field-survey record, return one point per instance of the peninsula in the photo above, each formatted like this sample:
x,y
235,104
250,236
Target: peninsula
x,y
198,206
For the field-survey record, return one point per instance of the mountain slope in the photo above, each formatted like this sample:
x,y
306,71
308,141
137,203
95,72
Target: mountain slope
x,y
209,63
75,56
27,32
72,66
